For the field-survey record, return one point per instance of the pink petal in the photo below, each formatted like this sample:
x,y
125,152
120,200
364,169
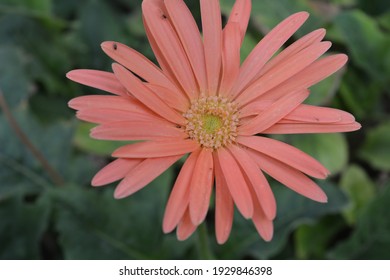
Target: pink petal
x,y
304,42
92,102
311,128
224,205
97,79
180,195
311,75
170,46
111,115
240,14
142,174
153,149
230,57
185,228
285,153
145,95
189,35
266,48
114,171
138,63
278,110
289,176
137,130
176,101
282,72
236,183
212,37
201,186
264,225
258,182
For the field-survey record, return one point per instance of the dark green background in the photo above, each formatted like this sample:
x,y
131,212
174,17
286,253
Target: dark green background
x,y
41,40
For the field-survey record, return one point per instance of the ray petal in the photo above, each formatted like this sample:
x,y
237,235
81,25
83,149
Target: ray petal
x,y
311,128
185,228
142,174
180,195
128,103
154,149
285,153
201,186
240,14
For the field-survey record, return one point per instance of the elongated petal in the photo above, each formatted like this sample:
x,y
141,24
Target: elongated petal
x,y
314,73
304,42
236,183
314,114
263,224
142,174
185,228
137,130
274,113
153,149
201,186
285,153
266,48
137,63
114,171
180,196
311,128
230,57
189,35
289,176
170,46
259,183
97,79
240,14
212,37
224,205
283,71
176,101
98,115
146,96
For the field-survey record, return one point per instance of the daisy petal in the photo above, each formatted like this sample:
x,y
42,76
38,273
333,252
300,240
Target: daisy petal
x,y
97,79
264,226
224,205
114,171
274,113
314,114
142,174
111,115
185,228
170,46
180,195
289,177
189,34
201,186
236,182
136,130
286,153
145,95
282,72
259,183
240,14
153,149
176,101
212,37
266,48
311,128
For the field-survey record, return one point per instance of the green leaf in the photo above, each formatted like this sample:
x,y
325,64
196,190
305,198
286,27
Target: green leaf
x,y
293,210
376,149
22,225
329,149
371,237
85,143
374,7
360,190
93,225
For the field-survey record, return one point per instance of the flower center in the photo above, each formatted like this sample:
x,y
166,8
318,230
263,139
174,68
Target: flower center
x,y
212,121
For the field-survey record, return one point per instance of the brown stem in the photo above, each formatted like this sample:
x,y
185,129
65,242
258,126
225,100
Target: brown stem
x,y
53,174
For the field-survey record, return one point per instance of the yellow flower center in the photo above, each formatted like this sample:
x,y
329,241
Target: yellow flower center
x,y
212,121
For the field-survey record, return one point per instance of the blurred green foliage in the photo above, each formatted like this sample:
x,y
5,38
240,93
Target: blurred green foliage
x,y
41,40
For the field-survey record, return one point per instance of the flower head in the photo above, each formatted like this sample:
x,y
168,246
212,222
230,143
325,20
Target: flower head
x,y
202,101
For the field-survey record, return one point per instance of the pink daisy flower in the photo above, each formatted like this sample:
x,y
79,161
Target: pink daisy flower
x,y
201,101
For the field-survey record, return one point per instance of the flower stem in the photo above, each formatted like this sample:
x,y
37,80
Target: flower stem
x,y
53,174
203,243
